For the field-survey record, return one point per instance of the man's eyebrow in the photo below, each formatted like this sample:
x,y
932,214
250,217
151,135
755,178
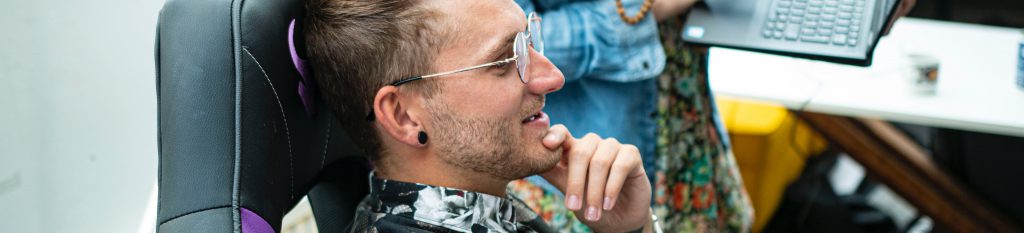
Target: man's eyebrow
x,y
501,47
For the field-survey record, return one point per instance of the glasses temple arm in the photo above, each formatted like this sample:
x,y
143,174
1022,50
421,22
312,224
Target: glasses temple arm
x,y
414,78
502,62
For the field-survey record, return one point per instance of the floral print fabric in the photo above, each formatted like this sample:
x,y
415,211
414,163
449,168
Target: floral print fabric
x,y
698,187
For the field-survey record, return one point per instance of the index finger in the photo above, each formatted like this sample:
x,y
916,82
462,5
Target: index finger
x,y
558,136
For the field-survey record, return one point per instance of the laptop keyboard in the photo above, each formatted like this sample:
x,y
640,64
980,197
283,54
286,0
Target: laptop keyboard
x,y
834,22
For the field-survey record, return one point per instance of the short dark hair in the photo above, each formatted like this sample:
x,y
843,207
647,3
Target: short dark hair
x,y
356,47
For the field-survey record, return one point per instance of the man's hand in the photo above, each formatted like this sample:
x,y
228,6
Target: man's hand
x,y
902,10
604,181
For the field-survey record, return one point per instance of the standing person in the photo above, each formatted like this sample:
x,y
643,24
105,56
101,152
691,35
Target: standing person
x,y
626,80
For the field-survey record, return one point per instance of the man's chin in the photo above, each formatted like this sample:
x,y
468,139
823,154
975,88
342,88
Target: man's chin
x,y
547,160
533,162
553,157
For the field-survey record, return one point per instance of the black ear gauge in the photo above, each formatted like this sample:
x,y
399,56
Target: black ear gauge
x,y
422,138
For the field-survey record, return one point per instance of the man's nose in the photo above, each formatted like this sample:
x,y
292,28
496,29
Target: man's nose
x,y
544,76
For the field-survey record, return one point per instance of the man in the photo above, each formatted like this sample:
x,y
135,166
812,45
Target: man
x,y
446,97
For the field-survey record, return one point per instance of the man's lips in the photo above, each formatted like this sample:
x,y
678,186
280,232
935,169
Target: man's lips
x,y
533,117
538,119
537,115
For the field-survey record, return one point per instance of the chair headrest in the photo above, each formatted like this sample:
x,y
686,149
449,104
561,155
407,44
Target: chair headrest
x,y
240,138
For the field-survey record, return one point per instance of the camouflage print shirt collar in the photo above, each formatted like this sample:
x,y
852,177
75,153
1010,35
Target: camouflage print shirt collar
x,y
454,209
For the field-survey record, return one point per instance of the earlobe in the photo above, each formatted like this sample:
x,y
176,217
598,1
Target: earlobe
x,y
422,138
397,117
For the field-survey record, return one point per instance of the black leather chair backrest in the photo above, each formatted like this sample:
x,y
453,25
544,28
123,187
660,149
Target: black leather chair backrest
x,y
238,148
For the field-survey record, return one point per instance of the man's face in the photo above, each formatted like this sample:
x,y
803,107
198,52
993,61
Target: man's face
x,y
487,120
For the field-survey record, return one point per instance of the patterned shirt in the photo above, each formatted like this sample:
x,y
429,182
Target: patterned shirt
x,y
395,206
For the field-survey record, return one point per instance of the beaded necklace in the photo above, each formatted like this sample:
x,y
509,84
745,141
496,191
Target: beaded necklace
x,y
636,18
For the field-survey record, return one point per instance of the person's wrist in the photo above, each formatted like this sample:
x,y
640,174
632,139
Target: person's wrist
x,y
650,226
665,9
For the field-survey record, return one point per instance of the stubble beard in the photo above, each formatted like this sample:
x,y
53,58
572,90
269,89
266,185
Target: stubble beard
x,y
488,146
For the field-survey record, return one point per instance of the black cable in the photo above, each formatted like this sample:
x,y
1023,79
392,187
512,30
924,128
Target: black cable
x,y
802,219
803,155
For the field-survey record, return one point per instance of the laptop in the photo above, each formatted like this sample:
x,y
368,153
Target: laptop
x,y
839,31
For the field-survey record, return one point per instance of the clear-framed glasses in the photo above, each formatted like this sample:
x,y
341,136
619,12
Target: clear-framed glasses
x,y
521,53
520,50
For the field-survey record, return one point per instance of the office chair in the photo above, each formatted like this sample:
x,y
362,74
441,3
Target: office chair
x,y
243,135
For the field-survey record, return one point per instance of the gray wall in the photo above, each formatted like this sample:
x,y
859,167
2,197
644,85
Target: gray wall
x,y
77,114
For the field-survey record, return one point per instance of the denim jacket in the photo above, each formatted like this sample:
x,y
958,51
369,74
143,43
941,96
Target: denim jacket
x,y
588,39
609,67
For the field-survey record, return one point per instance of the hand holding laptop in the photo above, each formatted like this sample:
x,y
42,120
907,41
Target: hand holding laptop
x,y
902,10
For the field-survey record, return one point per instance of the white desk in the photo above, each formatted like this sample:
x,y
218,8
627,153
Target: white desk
x,y
976,90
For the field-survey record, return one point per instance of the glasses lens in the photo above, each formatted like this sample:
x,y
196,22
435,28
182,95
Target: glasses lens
x,y
522,52
536,37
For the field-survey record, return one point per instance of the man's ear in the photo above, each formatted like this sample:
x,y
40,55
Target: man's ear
x,y
397,116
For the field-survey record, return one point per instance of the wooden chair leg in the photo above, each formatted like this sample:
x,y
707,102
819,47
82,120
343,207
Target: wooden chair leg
x,y
906,168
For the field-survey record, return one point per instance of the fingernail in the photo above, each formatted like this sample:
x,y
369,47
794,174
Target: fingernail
x,y
574,202
609,203
550,137
593,214
553,137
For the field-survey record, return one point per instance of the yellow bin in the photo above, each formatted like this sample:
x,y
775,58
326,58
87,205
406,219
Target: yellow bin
x,y
770,145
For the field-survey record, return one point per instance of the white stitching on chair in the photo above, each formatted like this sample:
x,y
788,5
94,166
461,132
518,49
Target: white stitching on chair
x,y
327,141
291,167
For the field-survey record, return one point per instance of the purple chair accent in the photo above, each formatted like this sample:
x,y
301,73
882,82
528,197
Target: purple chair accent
x,y
307,91
253,223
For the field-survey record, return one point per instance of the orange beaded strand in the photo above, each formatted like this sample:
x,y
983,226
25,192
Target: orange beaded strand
x,y
636,18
